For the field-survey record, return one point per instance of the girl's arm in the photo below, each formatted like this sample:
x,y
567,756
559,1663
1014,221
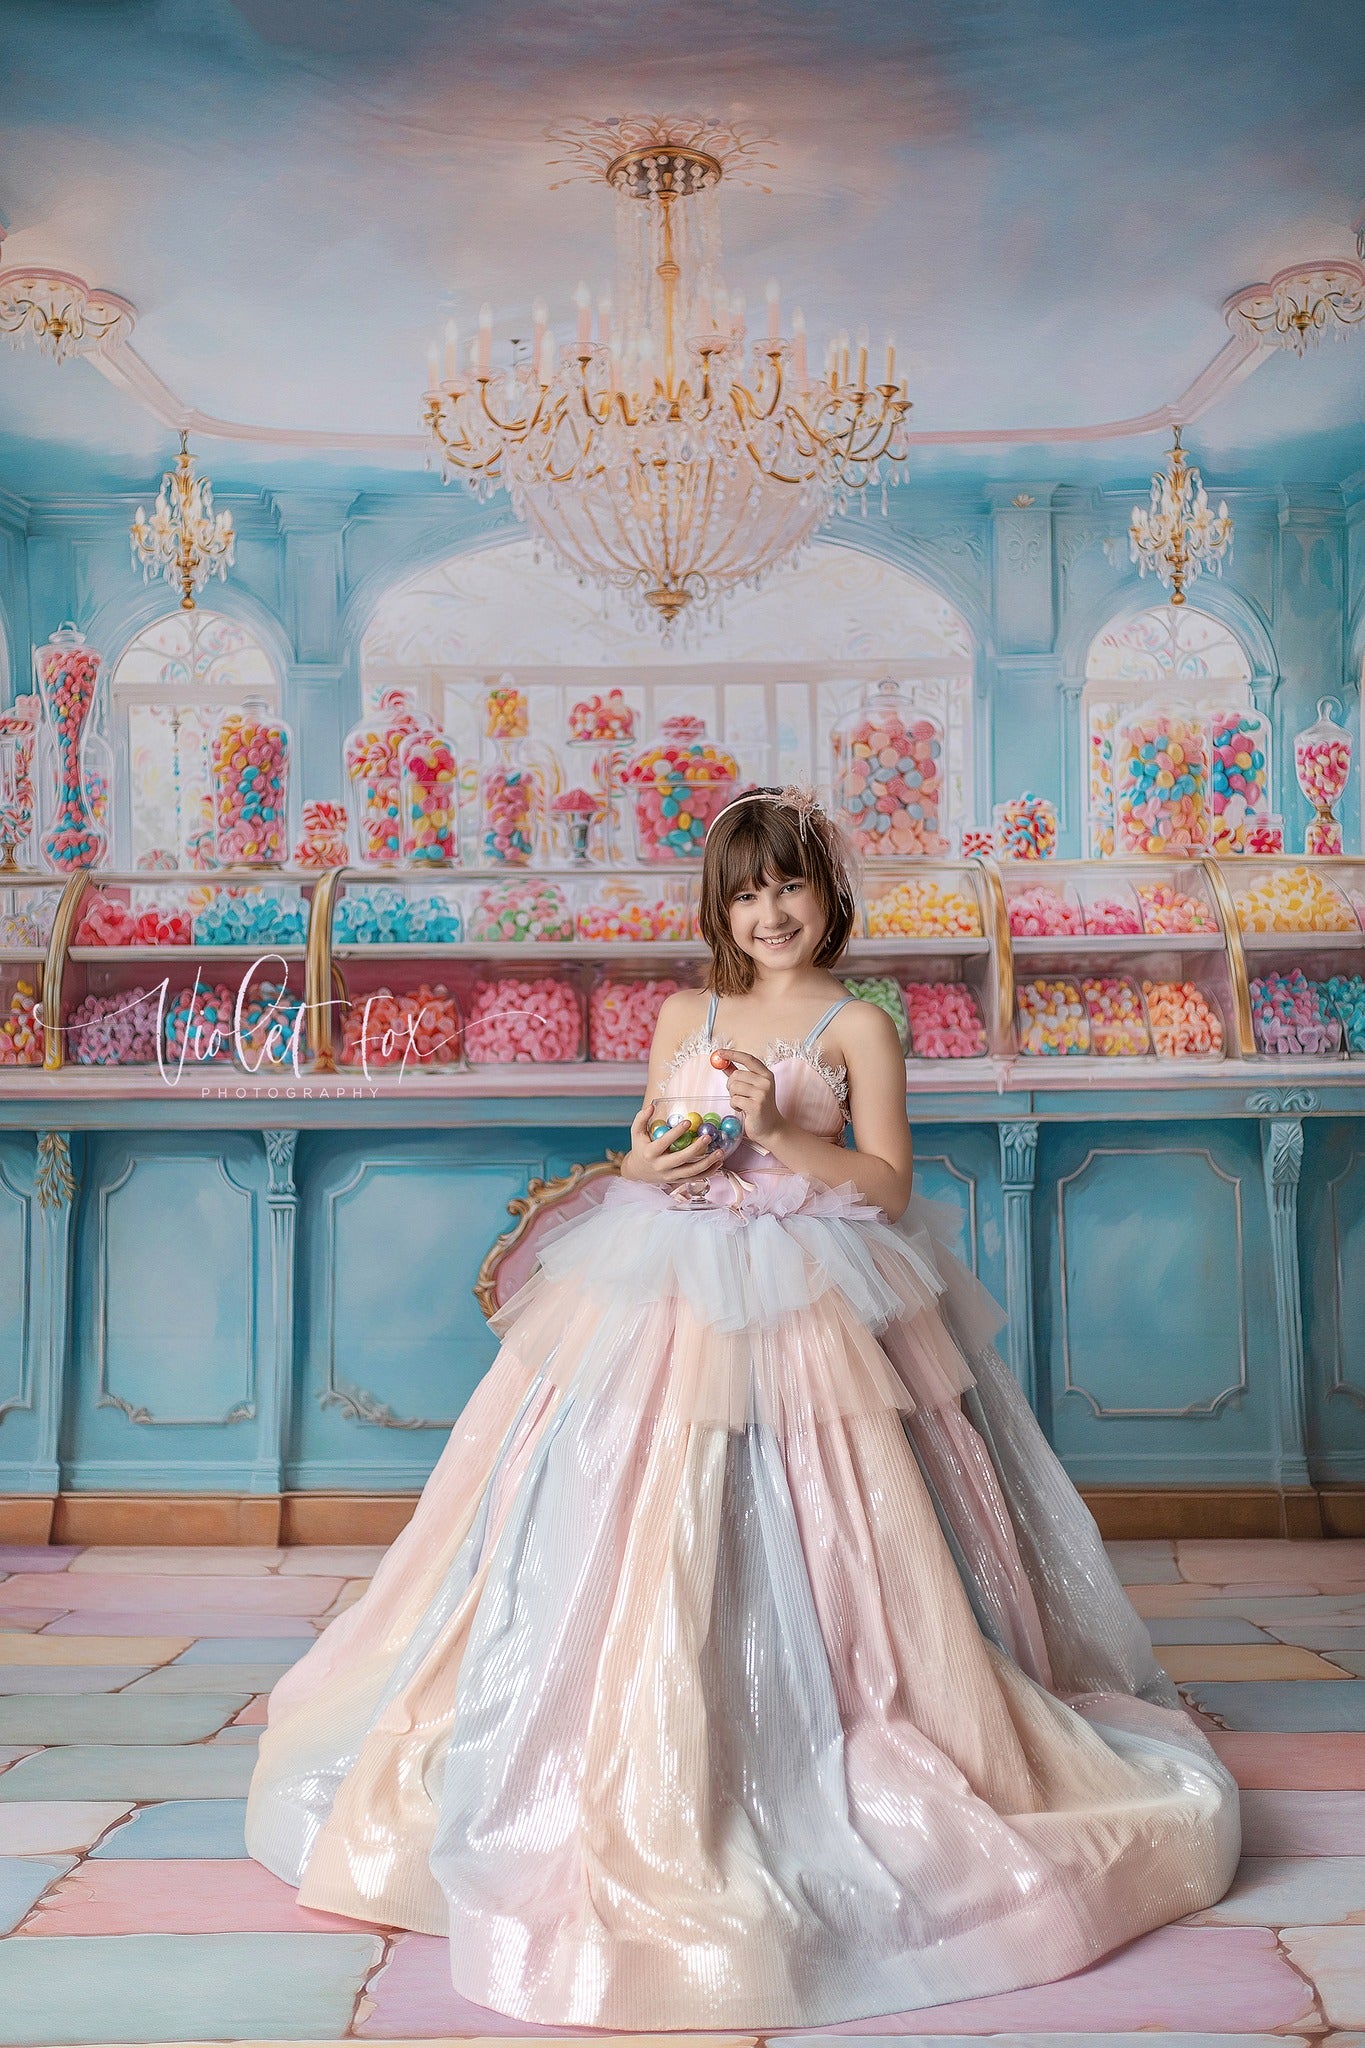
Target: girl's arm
x,y
649,1159
882,1166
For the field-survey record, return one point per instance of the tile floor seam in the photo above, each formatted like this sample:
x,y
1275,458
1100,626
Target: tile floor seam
x,y
1322,2026
365,2005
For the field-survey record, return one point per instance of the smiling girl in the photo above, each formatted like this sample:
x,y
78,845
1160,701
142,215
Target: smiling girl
x,y
750,1661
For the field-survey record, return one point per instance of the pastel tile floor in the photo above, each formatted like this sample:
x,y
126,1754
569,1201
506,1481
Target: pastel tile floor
x,y
133,1686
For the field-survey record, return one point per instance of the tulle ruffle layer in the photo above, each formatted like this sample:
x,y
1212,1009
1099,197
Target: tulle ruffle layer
x,y
804,1306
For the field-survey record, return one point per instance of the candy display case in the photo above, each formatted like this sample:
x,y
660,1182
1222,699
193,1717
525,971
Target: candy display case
x,y
1122,962
179,968
938,931
623,1007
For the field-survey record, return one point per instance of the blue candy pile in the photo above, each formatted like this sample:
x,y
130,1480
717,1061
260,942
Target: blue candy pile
x,y
258,918
391,917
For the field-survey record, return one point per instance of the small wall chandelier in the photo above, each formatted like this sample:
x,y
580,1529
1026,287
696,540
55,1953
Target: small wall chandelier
x,y
1298,306
664,454
184,540
60,312
1176,535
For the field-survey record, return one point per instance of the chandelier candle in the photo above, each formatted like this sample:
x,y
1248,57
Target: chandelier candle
x,y
663,457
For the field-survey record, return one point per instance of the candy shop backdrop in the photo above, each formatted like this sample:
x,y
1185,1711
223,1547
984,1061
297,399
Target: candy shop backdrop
x,y
259,1129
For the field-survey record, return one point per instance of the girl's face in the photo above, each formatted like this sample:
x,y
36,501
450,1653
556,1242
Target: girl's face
x,y
778,923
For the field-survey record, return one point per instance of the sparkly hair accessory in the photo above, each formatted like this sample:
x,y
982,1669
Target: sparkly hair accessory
x,y
811,816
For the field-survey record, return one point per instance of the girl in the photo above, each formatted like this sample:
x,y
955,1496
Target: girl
x,y
749,1661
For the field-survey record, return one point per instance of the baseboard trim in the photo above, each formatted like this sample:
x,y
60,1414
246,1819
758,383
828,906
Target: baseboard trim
x,y
1124,1513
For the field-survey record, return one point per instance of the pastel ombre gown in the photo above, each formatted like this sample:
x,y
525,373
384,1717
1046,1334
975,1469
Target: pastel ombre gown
x,y
749,1660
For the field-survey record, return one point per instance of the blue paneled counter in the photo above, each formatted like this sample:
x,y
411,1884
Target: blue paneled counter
x,y
247,1292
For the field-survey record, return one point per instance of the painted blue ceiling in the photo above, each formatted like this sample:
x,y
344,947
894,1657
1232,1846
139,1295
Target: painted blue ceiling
x,y
1046,202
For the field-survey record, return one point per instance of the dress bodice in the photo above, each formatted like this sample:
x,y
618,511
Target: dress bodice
x,y
810,1091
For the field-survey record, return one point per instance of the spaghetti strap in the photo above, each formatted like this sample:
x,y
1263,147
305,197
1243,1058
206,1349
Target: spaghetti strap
x,y
711,1015
828,1018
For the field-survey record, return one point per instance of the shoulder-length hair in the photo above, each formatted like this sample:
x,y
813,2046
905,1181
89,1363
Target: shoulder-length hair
x,y
753,838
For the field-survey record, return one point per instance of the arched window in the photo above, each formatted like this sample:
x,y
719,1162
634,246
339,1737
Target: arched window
x,y
1171,652
770,677
169,687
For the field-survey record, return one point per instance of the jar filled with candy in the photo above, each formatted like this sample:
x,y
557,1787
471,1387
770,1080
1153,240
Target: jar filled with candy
x,y
516,782
68,675
1161,781
678,784
1025,828
249,777
1322,764
18,745
322,838
429,779
1101,720
887,760
1239,774
601,727
371,755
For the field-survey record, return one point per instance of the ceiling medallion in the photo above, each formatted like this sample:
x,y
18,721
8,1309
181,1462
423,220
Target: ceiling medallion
x,y
1176,535
60,312
1298,306
184,540
663,451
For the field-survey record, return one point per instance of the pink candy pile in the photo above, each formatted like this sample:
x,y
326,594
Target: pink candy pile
x,y
1045,914
622,1015
114,1030
106,921
945,1023
521,1018
1165,909
420,1027
1110,917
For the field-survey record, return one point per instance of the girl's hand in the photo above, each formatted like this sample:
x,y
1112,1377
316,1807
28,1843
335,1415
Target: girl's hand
x,y
650,1160
753,1095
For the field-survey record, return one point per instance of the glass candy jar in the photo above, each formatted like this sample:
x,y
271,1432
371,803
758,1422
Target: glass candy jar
x,y
1239,774
68,676
678,785
1161,781
249,779
18,744
887,762
516,782
429,776
370,753
1322,764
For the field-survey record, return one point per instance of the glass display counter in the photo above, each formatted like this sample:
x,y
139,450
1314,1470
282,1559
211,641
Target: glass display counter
x,y
1128,967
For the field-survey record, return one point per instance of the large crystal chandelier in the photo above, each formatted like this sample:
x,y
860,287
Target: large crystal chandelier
x,y
664,453
1176,534
184,540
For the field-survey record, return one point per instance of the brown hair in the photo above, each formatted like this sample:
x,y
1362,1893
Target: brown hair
x,y
752,837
